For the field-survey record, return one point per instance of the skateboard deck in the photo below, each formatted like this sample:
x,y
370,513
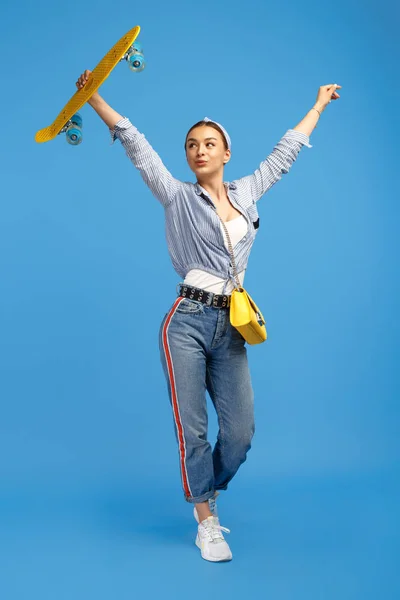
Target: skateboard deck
x,y
97,77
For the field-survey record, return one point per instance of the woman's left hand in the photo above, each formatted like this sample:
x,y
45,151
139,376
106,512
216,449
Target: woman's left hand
x,y
326,94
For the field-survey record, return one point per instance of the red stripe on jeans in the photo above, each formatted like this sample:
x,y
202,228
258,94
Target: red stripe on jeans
x,y
174,397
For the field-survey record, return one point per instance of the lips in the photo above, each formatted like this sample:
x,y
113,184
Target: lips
x,y
200,163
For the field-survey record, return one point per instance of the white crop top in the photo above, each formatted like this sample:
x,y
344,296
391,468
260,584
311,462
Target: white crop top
x,y
237,229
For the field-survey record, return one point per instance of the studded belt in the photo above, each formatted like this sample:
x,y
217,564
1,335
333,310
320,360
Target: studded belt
x,y
193,293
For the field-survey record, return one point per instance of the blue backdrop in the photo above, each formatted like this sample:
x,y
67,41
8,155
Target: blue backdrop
x,y
90,496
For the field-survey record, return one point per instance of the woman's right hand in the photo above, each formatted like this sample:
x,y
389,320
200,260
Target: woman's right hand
x,y
83,79
105,112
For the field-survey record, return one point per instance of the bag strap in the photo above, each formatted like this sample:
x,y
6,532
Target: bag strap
x,y
231,253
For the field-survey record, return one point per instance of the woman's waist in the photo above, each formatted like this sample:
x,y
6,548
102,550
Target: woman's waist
x,y
201,279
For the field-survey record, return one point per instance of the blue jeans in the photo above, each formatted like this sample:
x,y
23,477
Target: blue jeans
x,y
200,350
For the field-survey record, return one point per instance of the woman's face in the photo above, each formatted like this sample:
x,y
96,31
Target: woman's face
x,y
205,151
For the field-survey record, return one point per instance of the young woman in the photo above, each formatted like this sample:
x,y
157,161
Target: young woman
x,y
200,350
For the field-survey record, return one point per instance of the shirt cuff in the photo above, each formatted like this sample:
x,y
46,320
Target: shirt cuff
x,y
122,125
299,137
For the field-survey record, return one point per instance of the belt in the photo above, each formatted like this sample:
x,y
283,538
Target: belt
x,y
193,293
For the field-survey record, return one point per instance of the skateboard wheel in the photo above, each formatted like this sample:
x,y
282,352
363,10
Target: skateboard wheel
x,y
137,47
136,62
77,120
74,135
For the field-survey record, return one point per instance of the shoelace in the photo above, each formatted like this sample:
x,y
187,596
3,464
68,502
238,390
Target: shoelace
x,y
213,529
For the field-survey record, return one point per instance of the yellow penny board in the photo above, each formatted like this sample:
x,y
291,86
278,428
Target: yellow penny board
x,y
98,76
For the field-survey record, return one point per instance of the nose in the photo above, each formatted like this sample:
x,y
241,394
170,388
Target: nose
x,y
200,150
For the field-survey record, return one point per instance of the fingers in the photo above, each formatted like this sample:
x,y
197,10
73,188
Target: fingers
x,y
331,87
335,95
83,79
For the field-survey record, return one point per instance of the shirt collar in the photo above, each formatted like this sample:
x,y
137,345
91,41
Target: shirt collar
x,y
199,190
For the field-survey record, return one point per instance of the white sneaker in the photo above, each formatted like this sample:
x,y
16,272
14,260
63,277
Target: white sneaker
x,y
213,507
211,542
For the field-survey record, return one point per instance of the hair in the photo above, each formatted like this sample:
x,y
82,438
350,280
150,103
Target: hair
x,y
208,124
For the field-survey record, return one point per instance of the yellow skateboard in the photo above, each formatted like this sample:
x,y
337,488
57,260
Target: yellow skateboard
x,y
69,120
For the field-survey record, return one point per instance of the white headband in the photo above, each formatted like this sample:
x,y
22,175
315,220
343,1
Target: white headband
x,y
228,139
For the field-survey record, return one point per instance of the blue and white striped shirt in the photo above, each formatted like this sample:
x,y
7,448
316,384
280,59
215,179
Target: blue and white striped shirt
x,y
193,231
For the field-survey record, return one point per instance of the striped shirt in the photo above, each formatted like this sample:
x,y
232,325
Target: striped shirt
x,y
192,225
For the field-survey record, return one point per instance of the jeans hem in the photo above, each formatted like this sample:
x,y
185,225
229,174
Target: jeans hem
x,y
221,489
199,499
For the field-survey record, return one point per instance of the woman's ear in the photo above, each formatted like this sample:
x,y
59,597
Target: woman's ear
x,y
227,157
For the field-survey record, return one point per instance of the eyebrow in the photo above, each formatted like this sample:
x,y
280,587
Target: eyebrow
x,y
209,138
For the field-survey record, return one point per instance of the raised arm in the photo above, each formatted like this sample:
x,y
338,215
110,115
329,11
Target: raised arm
x,y
284,154
154,173
271,169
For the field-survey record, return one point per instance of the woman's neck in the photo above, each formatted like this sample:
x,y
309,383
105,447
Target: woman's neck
x,y
215,187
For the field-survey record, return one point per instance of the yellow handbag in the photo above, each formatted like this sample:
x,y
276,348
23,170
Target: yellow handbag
x,y
244,313
246,317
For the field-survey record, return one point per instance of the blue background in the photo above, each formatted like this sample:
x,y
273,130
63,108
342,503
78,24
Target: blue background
x,y
90,496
